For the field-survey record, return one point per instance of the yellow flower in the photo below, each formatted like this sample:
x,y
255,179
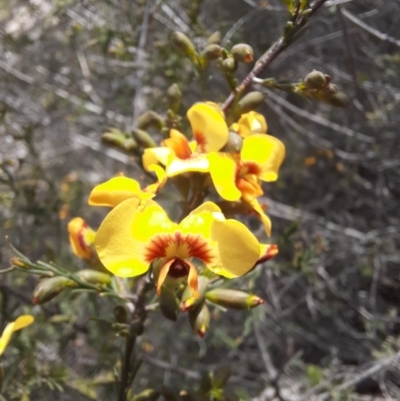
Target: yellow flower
x,y
118,189
18,324
135,234
81,238
180,156
249,124
239,176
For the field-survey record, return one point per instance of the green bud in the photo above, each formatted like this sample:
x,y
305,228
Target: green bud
x,y
233,299
229,65
199,319
114,138
250,102
188,301
15,261
143,138
150,119
49,288
94,277
174,96
146,395
211,52
234,143
214,38
338,99
315,80
130,145
185,45
242,53
120,314
169,304
331,89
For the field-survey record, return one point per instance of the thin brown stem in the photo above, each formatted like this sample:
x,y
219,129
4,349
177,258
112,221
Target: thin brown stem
x,y
298,21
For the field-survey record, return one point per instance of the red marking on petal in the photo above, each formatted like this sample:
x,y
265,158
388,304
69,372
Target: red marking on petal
x,y
271,252
200,140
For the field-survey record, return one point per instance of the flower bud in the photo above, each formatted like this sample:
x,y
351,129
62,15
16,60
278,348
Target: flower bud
x,y
212,52
146,395
339,99
169,304
331,89
130,145
229,65
15,261
315,80
249,102
199,319
174,96
185,45
233,299
94,277
234,143
242,53
113,137
214,38
49,288
143,138
150,119
252,123
188,301
81,238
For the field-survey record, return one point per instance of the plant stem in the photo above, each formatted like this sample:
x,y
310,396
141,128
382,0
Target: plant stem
x,y
281,44
135,329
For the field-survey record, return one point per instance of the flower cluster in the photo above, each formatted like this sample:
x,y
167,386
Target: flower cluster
x,y
221,161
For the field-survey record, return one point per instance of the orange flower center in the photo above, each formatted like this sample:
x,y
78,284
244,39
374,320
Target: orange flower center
x,y
201,141
180,146
246,180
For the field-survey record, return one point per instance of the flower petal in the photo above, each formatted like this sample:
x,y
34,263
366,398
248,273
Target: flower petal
x,y
161,155
208,126
258,210
161,179
126,231
251,123
196,163
265,150
179,144
237,248
223,174
23,321
6,337
115,191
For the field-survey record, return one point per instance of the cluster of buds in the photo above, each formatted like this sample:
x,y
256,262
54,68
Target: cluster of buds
x,y
198,305
227,59
318,85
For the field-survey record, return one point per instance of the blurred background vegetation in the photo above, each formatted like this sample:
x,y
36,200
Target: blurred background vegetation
x,y
70,70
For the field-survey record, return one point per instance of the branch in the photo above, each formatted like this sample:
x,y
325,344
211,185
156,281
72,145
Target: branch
x,y
281,44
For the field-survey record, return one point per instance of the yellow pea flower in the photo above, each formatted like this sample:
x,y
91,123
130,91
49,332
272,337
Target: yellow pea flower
x,y
118,189
249,124
239,176
18,324
180,156
135,234
81,238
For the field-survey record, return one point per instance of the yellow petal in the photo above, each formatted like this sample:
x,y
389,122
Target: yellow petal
x,y
161,179
251,123
223,174
161,155
115,191
23,321
196,163
179,144
208,126
18,324
6,337
237,248
266,151
262,216
124,236
81,238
